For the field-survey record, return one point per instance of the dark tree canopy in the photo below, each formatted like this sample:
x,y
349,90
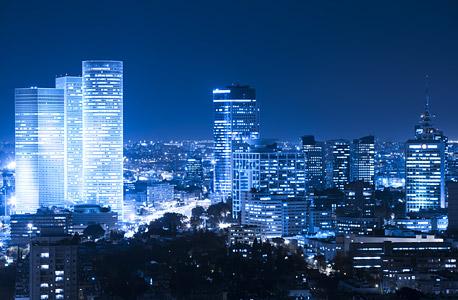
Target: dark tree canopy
x,y
93,231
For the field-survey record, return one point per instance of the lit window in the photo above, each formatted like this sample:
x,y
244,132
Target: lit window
x,y
44,267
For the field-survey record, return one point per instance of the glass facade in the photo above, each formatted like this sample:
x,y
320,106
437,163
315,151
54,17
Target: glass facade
x,y
425,165
363,159
73,116
281,173
103,133
314,166
236,119
425,175
39,144
340,153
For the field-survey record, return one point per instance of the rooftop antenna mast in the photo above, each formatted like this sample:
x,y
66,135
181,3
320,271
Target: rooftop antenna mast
x,y
427,96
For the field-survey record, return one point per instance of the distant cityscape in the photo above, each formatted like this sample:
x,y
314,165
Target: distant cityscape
x,y
85,215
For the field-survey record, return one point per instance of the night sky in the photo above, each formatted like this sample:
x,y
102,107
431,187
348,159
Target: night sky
x,y
334,69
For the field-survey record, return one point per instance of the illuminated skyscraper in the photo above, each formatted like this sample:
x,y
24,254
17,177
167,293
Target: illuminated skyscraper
x,y
265,169
103,133
236,119
425,166
314,166
363,159
73,115
340,160
39,134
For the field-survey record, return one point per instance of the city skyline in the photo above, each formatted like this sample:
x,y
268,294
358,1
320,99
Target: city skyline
x,y
299,58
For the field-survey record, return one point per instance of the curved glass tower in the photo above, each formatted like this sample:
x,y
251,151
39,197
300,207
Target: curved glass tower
x,y
103,133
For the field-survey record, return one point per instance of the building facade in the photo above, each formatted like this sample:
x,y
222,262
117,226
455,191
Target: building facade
x,y
314,153
39,143
73,128
265,169
363,159
103,133
339,156
53,266
236,119
425,165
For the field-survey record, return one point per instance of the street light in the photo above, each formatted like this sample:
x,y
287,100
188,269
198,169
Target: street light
x,y
30,225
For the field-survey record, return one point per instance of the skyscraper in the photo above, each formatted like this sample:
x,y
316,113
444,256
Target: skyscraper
x,y
73,128
363,159
236,119
39,135
103,133
425,166
339,156
265,169
314,162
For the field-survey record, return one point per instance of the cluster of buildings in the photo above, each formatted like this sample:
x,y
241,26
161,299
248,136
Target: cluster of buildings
x,y
341,197
332,198
69,140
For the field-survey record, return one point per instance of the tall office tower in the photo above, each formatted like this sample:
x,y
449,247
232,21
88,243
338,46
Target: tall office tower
x,y
265,169
340,160
314,162
73,116
103,133
39,134
53,266
236,119
425,166
363,159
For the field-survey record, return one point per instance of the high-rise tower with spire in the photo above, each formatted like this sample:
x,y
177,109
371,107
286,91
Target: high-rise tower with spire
x,y
425,165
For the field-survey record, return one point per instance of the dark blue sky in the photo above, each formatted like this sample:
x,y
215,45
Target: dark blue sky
x,y
329,68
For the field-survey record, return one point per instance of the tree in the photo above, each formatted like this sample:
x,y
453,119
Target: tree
x,y
197,211
93,232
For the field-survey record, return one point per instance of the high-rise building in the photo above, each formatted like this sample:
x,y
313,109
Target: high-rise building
x,y
339,159
53,266
425,166
103,133
39,135
236,119
314,153
194,171
73,128
363,159
359,198
265,169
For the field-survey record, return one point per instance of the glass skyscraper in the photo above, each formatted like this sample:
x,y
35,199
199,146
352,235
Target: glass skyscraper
x,y
425,166
103,133
363,159
340,160
265,169
236,119
314,162
39,143
73,116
